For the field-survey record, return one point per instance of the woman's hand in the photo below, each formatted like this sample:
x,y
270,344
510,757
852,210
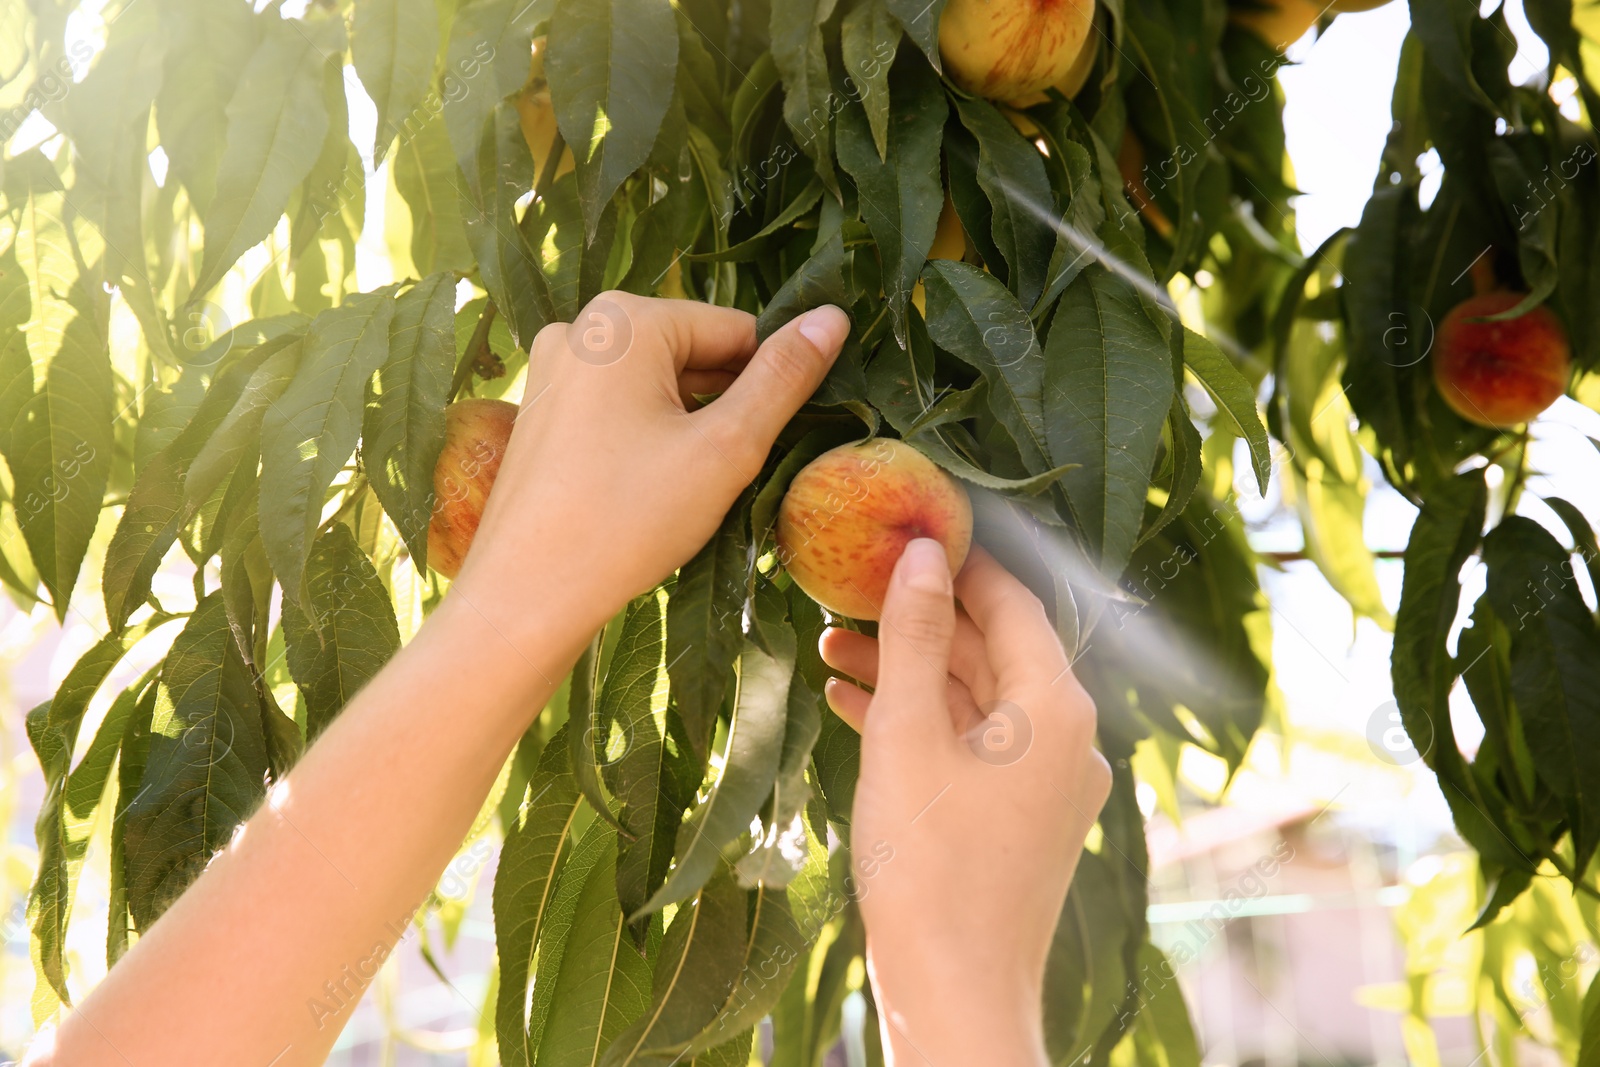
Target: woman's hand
x,y
979,783
612,473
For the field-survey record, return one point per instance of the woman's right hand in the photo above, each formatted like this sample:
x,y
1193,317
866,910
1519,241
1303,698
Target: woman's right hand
x,y
979,784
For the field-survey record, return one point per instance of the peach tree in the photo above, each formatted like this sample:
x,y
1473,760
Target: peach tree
x,y
223,389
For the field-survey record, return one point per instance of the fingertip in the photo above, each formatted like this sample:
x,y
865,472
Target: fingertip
x,y
847,701
825,327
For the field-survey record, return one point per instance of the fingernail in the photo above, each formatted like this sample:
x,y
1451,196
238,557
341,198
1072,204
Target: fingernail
x,y
924,567
825,327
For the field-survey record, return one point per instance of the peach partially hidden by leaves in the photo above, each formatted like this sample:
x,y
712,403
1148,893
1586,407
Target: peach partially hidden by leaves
x,y
475,435
1500,373
1011,49
849,514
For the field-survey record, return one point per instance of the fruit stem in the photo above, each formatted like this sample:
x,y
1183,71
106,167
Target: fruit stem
x,y
477,346
1483,279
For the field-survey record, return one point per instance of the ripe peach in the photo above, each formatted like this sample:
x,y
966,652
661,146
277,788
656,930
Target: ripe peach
x,y
1011,49
949,242
1500,374
849,514
1280,23
475,435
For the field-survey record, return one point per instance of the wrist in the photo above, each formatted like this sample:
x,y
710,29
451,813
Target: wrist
x,y
943,1016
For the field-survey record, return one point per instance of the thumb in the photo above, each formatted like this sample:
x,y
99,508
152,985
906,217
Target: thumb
x,y
914,636
781,376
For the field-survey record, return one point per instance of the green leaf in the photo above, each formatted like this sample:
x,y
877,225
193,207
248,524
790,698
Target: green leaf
x,y
703,625
525,885
640,777
309,432
209,50
65,817
1555,667
206,768
487,59
425,175
403,429
1583,539
921,20
1011,173
393,44
506,265
612,66
602,984
783,925
1164,1034
868,39
755,745
1446,534
809,104
237,437
820,280
953,462
1107,387
695,971
582,746
901,193
156,510
350,632
16,369
1234,396
277,122
780,853
977,320
59,445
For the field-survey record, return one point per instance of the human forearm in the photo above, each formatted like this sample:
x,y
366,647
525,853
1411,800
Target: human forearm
x,y
324,878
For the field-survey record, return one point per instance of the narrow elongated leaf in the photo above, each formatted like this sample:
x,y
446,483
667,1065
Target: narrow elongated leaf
x,y
393,44
901,191
525,885
61,830
130,770
974,318
59,445
1011,173
602,985
16,369
425,175
802,61
868,39
1107,386
1555,666
238,434
1234,396
491,46
695,971
703,625
156,510
403,429
205,771
209,49
921,20
348,633
277,122
612,65
755,745
626,714
506,264
581,737
780,852
309,432
1446,533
